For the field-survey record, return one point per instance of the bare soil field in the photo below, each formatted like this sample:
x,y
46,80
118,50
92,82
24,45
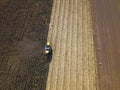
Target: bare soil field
x,y
107,42
23,33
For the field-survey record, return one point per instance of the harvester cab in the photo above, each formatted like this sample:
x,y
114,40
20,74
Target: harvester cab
x,y
48,51
47,48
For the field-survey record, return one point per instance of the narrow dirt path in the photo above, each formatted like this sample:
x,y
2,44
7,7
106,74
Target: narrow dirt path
x,y
73,66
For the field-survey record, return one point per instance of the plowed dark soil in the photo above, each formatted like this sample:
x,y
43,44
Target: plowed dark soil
x,y
23,34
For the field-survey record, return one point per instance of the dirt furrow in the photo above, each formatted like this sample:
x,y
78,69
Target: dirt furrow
x,y
70,39
63,49
80,61
74,47
68,49
67,64
84,54
60,79
88,45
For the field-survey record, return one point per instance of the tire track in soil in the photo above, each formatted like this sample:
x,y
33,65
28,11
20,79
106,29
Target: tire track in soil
x,y
60,85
